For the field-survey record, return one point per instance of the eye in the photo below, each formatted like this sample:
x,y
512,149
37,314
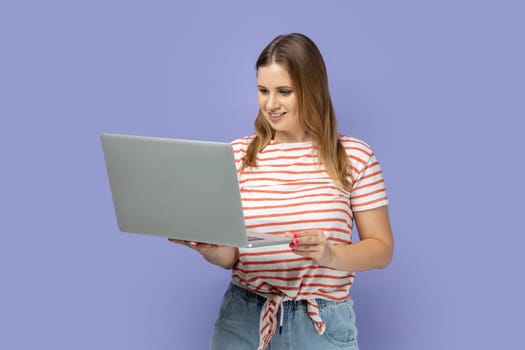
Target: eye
x,y
263,91
285,92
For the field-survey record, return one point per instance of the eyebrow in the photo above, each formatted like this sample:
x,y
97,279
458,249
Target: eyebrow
x,y
278,87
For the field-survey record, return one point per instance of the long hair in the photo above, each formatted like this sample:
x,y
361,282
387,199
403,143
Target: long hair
x,y
304,63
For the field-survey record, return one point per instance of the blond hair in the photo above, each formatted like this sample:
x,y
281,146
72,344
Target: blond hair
x,y
304,63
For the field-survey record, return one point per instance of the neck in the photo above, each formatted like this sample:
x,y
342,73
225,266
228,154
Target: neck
x,y
282,137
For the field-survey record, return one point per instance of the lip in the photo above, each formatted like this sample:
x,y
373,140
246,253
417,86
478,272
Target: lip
x,y
276,116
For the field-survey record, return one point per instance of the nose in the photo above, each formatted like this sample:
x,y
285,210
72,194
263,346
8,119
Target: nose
x,y
272,103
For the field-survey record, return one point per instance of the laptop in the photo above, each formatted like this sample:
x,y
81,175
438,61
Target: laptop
x,y
183,189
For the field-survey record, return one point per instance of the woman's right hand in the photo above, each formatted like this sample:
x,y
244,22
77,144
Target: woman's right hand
x,y
200,247
223,256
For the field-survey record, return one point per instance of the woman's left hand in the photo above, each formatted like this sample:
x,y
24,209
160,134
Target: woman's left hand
x,y
312,244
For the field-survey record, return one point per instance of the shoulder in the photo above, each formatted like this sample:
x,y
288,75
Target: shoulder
x,y
242,143
363,163
356,148
240,146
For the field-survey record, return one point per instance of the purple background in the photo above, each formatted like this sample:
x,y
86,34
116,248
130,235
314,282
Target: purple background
x,y
438,90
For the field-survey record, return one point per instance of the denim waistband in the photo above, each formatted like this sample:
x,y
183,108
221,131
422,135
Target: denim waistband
x,y
288,305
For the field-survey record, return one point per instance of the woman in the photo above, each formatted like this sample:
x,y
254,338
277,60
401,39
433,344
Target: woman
x,y
299,177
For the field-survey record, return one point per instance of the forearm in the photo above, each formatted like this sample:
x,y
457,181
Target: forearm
x,y
225,257
364,255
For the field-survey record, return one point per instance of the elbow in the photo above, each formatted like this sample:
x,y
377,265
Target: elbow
x,y
387,256
229,266
384,263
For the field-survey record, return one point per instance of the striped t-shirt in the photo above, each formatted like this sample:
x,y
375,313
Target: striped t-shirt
x,y
289,191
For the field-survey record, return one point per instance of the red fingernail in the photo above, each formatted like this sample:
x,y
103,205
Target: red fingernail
x,y
296,241
295,235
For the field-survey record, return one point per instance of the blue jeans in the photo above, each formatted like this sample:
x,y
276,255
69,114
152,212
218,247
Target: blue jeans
x,y
237,327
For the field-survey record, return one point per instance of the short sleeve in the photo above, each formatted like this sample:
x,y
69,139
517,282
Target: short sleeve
x,y
368,187
240,146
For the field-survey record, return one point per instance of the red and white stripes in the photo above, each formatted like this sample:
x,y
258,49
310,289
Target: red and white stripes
x,y
290,191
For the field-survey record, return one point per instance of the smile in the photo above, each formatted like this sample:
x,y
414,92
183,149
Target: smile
x,y
276,115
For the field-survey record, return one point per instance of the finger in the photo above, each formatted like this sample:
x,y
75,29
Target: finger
x,y
191,244
201,247
306,241
308,234
315,237
289,234
177,241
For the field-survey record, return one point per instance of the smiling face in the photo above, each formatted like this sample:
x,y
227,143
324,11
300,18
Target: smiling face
x,y
278,103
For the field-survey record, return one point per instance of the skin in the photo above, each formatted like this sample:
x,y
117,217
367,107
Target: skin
x,y
373,251
222,256
276,96
278,104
